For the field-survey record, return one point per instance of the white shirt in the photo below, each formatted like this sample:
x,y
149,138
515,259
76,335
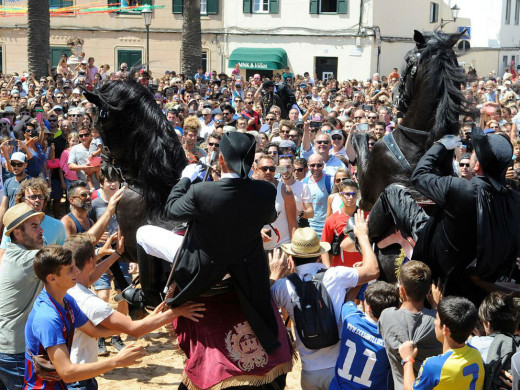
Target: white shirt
x,y
84,347
337,281
302,194
206,129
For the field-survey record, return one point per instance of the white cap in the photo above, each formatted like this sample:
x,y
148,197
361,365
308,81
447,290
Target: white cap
x,y
18,156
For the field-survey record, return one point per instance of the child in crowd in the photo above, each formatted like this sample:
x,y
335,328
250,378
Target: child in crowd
x,y
362,361
410,322
460,366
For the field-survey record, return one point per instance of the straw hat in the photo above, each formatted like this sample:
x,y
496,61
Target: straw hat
x,y
17,215
305,243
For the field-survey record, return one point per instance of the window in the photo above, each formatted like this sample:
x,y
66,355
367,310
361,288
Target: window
x,y
328,7
508,11
129,3
517,12
130,57
434,12
207,7
204,61
260,6
60,3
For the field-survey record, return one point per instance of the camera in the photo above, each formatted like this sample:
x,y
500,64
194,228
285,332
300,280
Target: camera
x,y
315,124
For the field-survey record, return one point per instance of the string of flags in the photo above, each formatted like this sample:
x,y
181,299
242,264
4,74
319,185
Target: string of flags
x,y
97,7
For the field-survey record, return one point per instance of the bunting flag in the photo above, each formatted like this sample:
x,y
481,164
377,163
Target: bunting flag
x,y
97,7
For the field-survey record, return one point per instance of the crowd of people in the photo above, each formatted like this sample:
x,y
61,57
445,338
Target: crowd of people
x,y
54,271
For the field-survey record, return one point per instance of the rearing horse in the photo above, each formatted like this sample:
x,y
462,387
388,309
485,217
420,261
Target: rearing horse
x,y
431,100
139,141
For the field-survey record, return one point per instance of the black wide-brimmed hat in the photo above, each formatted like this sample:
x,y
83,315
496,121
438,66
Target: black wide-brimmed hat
x,y
238,150
494,154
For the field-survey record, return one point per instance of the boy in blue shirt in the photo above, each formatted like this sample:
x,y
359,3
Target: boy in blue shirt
x,y
460,366
362,361
54,317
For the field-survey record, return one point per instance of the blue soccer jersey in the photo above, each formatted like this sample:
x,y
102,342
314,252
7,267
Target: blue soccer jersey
x,y
362,361
460,368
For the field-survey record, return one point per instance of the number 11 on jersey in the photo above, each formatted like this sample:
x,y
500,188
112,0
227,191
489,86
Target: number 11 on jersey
x,y
344,372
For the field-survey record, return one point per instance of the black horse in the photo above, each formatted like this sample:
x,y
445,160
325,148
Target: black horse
x,y
430,100
139,141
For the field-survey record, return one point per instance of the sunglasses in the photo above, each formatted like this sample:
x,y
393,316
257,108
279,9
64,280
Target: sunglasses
x,y
358,117
316,165
39,110
337,137
340,179
4,124
270,169
84,135
272,152
349,194
213,144
219,121
238,101
269,119
249,102
371,143
322,142
19,165
464,165
299,169
284,132
83,195
372,117
36,197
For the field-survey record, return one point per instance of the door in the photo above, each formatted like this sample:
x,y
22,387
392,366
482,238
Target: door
x,y
326,67
131,57
56,52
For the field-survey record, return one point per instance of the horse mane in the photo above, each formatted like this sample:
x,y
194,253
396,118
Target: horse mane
x,y
140,140
441,73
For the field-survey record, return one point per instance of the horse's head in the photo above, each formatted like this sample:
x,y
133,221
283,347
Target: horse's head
x,y
431,77
138,138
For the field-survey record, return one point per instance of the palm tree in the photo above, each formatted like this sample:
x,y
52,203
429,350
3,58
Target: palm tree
x,y
38,35
191,50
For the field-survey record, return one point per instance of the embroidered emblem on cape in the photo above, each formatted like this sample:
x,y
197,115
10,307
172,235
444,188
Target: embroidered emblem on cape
x,y
244,348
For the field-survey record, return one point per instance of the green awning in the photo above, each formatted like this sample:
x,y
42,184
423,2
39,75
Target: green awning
x,y
258,58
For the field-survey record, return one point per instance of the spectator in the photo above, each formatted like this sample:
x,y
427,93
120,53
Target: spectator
x,y
207,124
412,321
465,169
301,192
253,120
53,320
281,230
334,201
19,286
362,361
305,251
84,347
460,366
68,176
79,157
35,193
319,185
300,168
12,185
191,132
335,228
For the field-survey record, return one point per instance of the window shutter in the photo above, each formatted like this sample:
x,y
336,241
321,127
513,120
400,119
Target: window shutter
x,y
54,4
247,6
177,6
342,6
146,2
273,6
113,3
212,7
313,9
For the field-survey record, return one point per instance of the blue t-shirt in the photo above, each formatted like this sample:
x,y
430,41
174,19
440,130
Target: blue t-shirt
x,y
11,188
460,368
320,192
44,329
362,361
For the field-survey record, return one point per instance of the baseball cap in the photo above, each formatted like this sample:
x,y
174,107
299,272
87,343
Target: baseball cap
x,y
18,156
336,132
287,144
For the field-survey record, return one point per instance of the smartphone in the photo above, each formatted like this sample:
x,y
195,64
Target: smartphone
x,y
34,133
13,142
39,117
362,127
281,169
315,124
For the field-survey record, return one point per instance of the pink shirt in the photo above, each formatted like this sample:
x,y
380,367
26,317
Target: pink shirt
x,y
64,164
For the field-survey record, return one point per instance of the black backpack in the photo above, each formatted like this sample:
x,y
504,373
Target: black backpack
x,y
314,315
501,350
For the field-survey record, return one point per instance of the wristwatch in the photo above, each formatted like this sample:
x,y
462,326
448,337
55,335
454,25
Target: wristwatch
x,y
403,362
301,214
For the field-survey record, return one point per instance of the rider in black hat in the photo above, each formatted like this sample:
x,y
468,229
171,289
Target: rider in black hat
x,y
473,234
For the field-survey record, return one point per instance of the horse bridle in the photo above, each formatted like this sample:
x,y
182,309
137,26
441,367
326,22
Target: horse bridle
x,y
403,97
107,157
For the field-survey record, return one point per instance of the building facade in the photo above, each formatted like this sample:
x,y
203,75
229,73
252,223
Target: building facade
x,y
341,38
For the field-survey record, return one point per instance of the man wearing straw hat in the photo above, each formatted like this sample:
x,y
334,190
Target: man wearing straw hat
x,y
305,251
20,287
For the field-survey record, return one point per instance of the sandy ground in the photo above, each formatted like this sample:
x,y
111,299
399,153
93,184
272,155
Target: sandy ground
x,y
162,367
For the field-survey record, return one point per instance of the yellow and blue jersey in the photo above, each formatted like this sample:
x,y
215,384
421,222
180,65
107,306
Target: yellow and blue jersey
x,y
456,369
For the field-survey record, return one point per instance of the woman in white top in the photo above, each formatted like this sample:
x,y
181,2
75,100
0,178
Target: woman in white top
x,y
334,202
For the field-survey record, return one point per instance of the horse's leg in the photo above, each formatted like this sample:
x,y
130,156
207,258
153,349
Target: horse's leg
x,y
151,274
